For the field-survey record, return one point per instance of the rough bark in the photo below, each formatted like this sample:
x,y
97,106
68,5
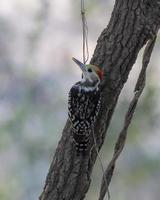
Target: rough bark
x,y
121,140
132,24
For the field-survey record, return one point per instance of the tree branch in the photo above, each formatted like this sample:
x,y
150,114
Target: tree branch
x,y
123,134
132,24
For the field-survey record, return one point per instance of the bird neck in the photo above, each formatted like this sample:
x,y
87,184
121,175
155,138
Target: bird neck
x,y
88,86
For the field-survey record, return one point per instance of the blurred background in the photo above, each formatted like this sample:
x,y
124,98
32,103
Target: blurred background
x,y
37,40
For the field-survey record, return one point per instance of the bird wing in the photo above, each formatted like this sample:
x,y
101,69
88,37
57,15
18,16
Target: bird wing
x,y
83,107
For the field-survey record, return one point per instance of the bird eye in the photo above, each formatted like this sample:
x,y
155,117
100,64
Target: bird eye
x,y
89,70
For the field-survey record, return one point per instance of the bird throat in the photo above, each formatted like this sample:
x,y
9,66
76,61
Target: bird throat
x,y
89,86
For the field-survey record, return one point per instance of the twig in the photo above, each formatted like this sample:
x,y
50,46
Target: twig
x,y
84,33
100,160
123,134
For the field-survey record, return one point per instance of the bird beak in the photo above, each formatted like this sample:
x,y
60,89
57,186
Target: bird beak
x,y
83,68
81,65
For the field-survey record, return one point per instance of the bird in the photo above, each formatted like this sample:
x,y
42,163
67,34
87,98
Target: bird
x,y
84,101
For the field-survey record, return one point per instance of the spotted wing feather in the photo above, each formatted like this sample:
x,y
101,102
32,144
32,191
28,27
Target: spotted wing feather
x,y
83,109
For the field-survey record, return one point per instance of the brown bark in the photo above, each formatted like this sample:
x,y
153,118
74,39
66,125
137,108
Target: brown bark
x,y
140,84
132,24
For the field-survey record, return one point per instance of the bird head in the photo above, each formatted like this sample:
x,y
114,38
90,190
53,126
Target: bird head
x,y
92,75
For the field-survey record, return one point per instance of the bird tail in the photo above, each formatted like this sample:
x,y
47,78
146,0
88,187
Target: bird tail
x,y
81,141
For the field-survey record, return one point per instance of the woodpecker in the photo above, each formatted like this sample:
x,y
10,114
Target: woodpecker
x,y
84,104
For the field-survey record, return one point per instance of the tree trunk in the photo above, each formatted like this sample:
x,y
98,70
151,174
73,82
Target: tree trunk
x,y
132,24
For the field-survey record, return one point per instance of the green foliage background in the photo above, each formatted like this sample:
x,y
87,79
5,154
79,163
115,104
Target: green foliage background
x,y
37,41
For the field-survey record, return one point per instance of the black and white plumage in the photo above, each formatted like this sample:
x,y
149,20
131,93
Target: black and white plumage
x,y
83,106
